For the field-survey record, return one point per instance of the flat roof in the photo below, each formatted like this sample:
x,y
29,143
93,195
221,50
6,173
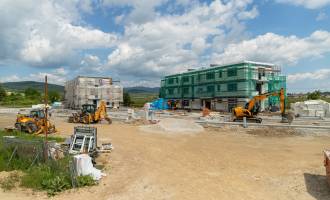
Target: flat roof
x,y
246,61
223,65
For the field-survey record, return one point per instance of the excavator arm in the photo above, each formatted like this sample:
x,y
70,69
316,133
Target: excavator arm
x,y
262,97
240,112
101,113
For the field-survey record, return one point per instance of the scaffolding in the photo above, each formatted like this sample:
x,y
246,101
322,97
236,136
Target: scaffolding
x,y
91,90
240,80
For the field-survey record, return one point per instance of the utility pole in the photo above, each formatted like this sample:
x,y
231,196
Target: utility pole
x,y
46,117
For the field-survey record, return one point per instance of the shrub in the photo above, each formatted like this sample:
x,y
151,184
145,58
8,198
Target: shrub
x,y
83,181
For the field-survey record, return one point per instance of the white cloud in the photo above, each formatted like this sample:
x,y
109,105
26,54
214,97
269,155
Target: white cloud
x,y
276,48
90,63
309,81
311,4
171,43
143,10
12,78
321,16
320,74
57,76
47,33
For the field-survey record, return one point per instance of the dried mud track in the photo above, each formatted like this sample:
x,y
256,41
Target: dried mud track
x,y
215,164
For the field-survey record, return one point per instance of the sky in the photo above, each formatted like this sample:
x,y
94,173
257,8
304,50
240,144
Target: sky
x,y
139,42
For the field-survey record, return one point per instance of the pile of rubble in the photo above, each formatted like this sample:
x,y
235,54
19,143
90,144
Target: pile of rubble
x,y
311,108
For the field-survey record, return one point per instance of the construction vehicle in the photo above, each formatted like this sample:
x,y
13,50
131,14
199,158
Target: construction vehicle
x,y
90,114
252,108
34,122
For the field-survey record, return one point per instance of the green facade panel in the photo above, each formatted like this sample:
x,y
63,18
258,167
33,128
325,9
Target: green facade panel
x,y
239,80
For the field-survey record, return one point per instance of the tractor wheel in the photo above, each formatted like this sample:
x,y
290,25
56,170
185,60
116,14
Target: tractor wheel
x,y
18,126
86,119
109,120
259,120
76,119
71,119
31,127
52,129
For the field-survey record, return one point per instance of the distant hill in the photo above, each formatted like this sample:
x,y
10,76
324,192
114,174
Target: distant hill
x,y
142,89
22,85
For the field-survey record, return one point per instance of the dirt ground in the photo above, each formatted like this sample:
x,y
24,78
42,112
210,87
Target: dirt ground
x,y
215,164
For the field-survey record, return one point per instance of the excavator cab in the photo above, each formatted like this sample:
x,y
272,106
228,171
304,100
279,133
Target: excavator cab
x,y
88,108
39,114
90,113
34,122
252,108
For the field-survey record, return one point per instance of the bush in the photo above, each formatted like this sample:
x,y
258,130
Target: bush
x,y
3,93
54,96
52,176
314,95
127,99
83,181
55,185
32,93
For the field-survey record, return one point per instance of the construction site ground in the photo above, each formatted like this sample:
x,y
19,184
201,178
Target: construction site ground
x,y
219,163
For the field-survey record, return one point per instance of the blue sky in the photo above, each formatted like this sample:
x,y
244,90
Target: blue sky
x,y
138,42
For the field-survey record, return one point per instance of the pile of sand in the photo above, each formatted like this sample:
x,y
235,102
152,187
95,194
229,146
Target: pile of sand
x,y
170,125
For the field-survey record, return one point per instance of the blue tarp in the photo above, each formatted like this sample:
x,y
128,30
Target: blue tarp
x,y
159,104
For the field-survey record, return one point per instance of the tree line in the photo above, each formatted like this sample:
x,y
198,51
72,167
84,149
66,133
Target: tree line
x,y
27,97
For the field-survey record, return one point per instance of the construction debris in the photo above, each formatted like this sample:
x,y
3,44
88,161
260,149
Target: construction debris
x,y
83,166
311,108
84,140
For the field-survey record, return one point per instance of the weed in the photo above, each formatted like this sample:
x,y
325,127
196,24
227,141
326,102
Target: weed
x,y
55,185
87,180
52,176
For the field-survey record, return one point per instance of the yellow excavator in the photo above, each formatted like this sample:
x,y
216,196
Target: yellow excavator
x,y
34,122
90,114
252,108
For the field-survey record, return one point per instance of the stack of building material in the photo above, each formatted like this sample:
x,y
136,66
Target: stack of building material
x,y
311,108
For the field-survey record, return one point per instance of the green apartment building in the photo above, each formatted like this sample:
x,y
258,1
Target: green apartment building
x,y
222,87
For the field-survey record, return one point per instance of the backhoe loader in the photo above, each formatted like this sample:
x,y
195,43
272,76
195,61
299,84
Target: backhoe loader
x,y
89,114
252,108
34,122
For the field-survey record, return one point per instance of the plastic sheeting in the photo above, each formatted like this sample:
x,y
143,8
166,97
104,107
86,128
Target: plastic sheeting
x,y
159,104
312,108
84,166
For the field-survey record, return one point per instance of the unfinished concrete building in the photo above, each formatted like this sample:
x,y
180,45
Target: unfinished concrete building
x,y
223,87
91,90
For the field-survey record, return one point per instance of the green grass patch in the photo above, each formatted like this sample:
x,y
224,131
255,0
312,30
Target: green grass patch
x,y
27,136
50,176
139,99
83,181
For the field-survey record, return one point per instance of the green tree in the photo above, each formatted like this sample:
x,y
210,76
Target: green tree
x,y
54,96
314,95
32,93
3,93
127,99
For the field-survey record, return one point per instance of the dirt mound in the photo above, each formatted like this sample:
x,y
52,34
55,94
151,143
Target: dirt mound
x,y
171,125
273,132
